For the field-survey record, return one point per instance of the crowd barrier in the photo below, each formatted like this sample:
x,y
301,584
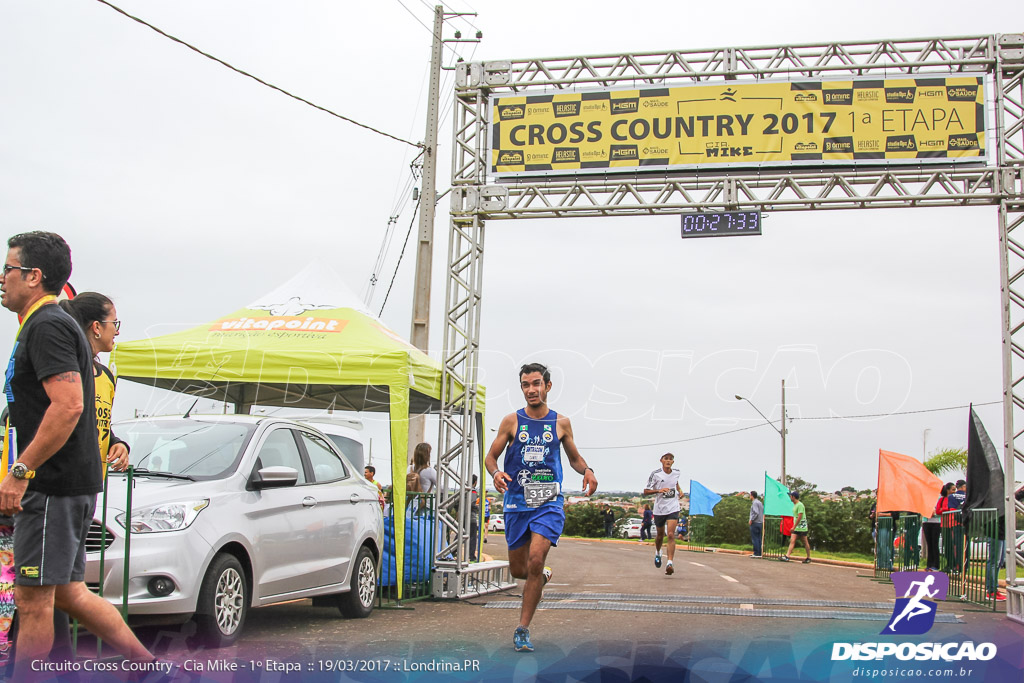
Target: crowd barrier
x,y
421,543
969,554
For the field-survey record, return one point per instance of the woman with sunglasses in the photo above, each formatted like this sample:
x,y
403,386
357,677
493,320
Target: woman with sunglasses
x,y
98,318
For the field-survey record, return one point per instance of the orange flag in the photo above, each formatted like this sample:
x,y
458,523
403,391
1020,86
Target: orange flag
x,y
905,484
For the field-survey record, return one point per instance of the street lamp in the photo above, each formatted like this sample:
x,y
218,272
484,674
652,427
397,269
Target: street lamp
x,y
782,432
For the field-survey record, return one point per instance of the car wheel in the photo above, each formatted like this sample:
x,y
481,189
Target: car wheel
x,y
357,603
223,603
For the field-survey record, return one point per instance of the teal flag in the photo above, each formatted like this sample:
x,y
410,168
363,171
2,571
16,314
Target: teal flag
x,y
702,499
776,498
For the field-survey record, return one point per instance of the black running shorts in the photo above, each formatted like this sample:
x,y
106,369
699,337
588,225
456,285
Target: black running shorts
x,y
659,520
49,538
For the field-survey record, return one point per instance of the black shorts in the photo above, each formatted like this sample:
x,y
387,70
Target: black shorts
x,y
800,534
49,538
659,520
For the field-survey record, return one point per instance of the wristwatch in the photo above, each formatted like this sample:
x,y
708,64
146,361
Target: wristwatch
x,y
20,471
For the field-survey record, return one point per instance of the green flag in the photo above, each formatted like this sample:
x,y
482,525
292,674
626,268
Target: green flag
x,y
776,498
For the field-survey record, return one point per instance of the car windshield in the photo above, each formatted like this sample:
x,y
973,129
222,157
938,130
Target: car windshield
x,y
202,450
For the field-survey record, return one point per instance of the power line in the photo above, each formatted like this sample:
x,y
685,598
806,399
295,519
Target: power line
x,y
400,255
257,79
429,29
793,419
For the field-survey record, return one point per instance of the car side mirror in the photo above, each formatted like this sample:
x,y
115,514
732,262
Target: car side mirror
x,y
275,477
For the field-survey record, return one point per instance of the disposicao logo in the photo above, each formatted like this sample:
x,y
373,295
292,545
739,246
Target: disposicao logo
x,y
914,614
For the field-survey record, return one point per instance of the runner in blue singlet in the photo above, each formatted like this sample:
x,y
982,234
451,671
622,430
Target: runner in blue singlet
x,y
533,438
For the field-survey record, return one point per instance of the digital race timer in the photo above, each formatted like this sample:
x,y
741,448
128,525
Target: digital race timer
x,y
721,224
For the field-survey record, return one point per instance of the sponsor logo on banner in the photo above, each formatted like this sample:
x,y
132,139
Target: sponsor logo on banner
x,y
838,96
507,157
900,143
961,93
621,152
629,106
565,155
900,95
567,109
282,322
511,112
931,144
806,147
962,142
913,614
838,145
806,97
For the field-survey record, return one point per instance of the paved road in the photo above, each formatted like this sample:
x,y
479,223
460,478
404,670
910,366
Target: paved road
x,y
567,621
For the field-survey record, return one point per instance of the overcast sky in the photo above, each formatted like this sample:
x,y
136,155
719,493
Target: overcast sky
x,y
186,191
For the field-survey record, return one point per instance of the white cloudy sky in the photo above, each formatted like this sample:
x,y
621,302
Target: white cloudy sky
x,y
186,191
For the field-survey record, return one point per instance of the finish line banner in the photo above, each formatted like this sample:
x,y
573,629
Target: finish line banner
x,y
847,122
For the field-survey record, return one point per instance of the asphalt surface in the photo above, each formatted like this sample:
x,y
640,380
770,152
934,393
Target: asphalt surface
x,y
623,572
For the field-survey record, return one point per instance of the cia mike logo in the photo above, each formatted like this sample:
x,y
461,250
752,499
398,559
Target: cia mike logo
x,y
915,608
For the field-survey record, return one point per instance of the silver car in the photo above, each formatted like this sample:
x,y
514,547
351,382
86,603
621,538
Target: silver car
x,y
232,512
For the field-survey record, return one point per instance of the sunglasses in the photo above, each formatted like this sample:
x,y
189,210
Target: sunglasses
x,y
115,323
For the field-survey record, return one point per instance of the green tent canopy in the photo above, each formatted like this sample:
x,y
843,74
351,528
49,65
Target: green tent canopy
x,y
310,343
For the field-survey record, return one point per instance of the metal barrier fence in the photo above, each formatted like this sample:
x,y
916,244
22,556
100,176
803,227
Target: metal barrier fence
x,y
774,544
897,544
421,543
972,555
698,533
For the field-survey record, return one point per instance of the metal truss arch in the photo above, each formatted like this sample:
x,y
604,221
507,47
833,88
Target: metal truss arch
x,y
476,197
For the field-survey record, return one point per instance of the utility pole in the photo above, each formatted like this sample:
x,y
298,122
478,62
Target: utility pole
x,y
428,198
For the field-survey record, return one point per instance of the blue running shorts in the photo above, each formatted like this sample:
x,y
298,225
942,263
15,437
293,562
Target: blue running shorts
x,y
546,521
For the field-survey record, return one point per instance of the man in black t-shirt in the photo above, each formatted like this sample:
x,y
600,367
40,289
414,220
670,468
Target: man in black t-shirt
x,y
52,487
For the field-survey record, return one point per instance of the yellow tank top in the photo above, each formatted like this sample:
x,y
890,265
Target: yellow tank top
x,y
104,403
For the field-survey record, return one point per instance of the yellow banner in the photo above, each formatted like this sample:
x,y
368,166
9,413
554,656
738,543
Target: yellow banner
x,y
937,119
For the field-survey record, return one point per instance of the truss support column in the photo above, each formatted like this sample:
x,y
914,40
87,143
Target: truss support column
x,y
461,432
1011,230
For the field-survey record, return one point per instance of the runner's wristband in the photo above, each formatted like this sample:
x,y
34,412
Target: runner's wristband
x,y
588,468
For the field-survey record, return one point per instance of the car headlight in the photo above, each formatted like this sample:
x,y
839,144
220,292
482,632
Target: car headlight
x,y
164,517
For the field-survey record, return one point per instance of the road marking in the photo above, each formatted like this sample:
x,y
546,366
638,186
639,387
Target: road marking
x,y
747,605
698,564
594,584
728,578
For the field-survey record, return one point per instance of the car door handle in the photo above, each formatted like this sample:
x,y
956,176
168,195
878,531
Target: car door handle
x,y
309,501
355,498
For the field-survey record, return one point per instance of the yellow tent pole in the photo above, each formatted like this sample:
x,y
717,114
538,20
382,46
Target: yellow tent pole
x,y
399,412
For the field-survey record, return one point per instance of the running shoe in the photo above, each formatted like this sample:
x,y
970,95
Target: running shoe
x,y
755,556
784,558
807,560
657,560
997,596
521,640
547,575
669,568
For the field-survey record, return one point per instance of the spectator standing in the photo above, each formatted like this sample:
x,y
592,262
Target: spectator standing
x,y
609,520
955,501
474,523
756,522
932,529
645,526
52,487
